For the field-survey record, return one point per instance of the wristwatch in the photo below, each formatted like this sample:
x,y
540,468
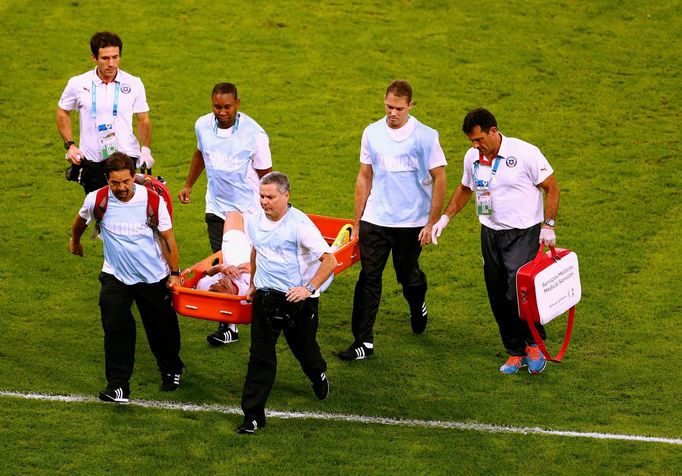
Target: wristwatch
x,y
68,144
549,222
310,288
175,272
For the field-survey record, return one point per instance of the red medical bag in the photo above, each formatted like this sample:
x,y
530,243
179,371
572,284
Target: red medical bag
x,y
547,287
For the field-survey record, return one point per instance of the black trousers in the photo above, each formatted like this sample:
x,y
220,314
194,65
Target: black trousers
x,y
160,324
376,243
300,334
215,227
504,252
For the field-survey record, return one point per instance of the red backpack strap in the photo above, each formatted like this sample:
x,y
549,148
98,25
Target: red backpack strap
x,y
153,201
152,209
101,202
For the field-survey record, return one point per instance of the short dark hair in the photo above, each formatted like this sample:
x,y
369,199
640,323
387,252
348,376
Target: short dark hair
x,y
479,117
102,39
225,88
119,161
278,178
400,88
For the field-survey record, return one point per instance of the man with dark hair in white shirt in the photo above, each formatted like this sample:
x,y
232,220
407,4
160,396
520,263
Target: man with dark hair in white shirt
x,y
106,99
140,264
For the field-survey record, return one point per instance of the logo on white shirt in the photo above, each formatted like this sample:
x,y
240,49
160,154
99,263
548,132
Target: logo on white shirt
x,y
128,229
398,163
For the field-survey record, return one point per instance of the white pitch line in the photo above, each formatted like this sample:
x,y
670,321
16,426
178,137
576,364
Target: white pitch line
x,y
472,426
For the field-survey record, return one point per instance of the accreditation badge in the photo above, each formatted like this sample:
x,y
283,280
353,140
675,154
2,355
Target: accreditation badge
x,y
484,199
107,139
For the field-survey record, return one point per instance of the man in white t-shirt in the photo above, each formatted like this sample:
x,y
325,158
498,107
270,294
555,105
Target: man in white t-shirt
x,y
106,99
235,151
508,177
399,194
291,263
141,265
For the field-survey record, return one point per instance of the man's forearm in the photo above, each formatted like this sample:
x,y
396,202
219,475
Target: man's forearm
x,y
460,197
437,194
363,186
64,124
78,227
144,129
327,267
196,167
169,248
551,188
252,260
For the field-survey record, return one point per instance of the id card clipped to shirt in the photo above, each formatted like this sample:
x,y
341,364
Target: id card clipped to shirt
x,y
484,198
107,139
105,132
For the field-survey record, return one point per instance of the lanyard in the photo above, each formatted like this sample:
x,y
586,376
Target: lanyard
x,y
235,126
492,174
94,99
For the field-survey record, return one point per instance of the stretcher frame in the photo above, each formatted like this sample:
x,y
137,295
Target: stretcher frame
x,y
234,309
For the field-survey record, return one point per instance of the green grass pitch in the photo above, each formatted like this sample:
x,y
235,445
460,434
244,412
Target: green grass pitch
x,y
595,85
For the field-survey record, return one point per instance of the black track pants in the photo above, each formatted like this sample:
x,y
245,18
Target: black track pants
x,y
504,252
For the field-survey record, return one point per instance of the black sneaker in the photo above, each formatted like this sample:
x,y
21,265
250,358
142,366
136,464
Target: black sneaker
x,y
321,387
114,395
418,318
355,352
222,336
169,382
248,427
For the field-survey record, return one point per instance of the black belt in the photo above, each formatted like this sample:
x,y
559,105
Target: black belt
x,y
265,292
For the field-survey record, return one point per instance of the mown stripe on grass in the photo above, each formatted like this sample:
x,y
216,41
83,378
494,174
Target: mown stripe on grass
x,y
471,426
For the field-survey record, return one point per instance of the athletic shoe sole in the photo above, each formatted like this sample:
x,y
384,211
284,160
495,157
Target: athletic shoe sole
x,y
357,353
215,341
117,398
535,372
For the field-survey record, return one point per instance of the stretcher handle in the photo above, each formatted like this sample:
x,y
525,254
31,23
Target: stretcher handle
x,y
567,338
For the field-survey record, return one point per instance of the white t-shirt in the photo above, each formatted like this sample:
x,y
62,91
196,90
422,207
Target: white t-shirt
x,y
87,90
231,157
401,161
288,251
516,199
131,252
436,159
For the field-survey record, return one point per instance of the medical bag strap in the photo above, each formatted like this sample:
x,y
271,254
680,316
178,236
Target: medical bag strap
x,y
569,326
564,346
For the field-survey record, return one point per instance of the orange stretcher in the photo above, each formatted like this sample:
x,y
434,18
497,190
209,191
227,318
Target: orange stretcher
x,y
233,309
